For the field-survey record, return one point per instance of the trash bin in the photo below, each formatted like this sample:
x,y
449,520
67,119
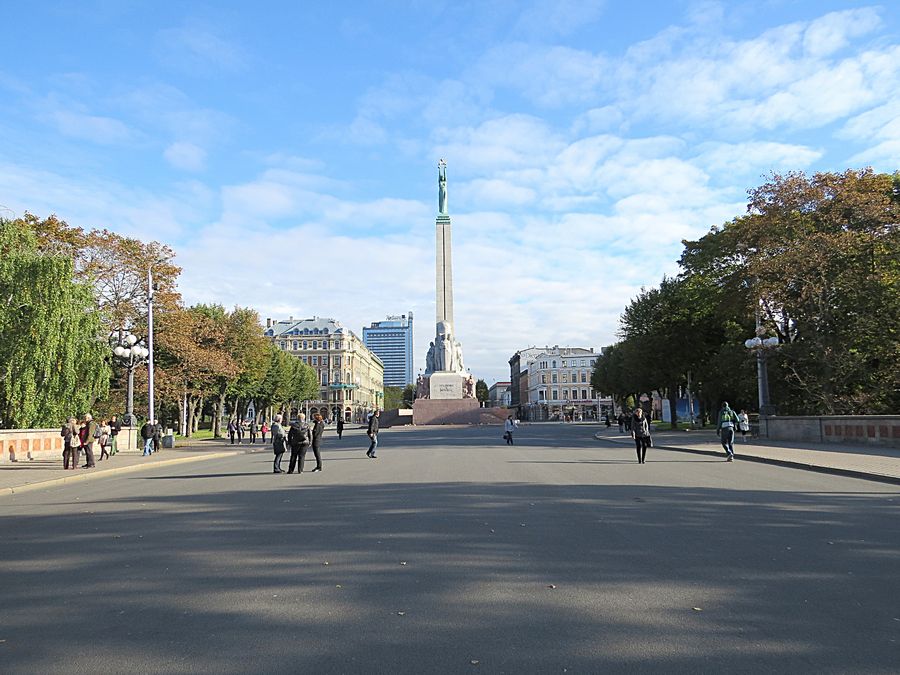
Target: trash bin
x,y
168,439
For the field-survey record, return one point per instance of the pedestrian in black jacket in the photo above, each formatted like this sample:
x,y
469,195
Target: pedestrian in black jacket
x,y
317,431
340,426
299,438
279,443
372,433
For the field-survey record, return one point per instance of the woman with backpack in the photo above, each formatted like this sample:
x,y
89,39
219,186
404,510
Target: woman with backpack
x,y
299,438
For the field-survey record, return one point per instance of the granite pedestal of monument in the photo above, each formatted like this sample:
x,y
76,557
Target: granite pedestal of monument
x,y
445,386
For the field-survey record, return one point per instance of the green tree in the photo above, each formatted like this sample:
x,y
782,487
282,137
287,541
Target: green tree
x,y
393,398
481,391
53,361
409,395
818,260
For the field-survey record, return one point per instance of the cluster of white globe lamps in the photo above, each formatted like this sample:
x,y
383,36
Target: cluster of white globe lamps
x,y
130,349
756,343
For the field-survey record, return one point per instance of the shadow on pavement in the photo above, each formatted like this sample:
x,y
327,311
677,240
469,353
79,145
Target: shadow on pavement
x,y
521,578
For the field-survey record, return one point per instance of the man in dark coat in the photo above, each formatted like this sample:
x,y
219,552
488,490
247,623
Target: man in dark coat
x,y
299,438
147,436
157,435
372,433
90,435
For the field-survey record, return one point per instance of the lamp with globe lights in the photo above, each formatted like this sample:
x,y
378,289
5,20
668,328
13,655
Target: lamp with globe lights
x,y
132,354
761,346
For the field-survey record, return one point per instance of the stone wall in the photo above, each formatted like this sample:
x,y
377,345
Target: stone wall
x,y
28,444
460,411
879,430
22,445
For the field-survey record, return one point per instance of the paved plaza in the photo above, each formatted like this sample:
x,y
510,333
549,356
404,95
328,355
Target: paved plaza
x,y
455,553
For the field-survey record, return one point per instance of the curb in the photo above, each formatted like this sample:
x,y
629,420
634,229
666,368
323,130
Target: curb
x,y
53,482
791,464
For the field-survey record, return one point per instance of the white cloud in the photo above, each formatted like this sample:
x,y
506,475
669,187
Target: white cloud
x,y
200,48
97,203
186,156
833,32
490,193
549,76
501,143
755,157
557,17
95,128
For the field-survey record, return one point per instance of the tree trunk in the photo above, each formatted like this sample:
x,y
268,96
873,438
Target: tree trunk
x,y
673,400
218,414
197,416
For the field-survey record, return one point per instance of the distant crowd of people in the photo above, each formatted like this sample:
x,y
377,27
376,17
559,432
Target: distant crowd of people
x,y
728,422
81,437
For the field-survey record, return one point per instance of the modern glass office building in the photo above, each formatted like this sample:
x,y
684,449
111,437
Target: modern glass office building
x,y
392,341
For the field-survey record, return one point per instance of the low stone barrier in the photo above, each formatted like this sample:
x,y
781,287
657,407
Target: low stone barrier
x,y
21,445
30,444
881,430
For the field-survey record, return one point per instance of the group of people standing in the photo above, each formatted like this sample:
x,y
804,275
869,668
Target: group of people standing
x,y
81,437
300,437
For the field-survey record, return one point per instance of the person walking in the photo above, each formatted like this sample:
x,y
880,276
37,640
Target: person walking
x,y
621,421
727,421
340,426
299,439
744,424
69,432
115,426
239,431
278,443
372,433
264,429
318,430
157,435
105,440
147,436
508,428
640,432
232,430
252,431
89,437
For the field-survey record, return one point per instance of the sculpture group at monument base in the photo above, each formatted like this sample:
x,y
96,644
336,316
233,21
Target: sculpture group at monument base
x,y
455,411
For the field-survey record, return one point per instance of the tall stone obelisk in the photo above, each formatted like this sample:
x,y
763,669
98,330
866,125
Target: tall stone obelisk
x,y
445,373
443,257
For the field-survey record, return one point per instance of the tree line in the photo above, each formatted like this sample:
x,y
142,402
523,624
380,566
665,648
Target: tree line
x,y
68,295
815,263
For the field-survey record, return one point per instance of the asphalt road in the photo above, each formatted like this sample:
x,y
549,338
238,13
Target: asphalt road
x,y
454,553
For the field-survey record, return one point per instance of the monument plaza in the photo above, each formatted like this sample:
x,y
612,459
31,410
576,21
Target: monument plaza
x,y
453,553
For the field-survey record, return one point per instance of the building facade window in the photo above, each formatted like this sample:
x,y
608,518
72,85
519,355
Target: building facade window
x,y
555,394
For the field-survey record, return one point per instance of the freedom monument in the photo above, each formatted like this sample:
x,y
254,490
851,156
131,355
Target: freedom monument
x,y
445,393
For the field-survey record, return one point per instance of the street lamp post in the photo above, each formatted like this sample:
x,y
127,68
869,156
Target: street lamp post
x,y
151,403
133,355
761,346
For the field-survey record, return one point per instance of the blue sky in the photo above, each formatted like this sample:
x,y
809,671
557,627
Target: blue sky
x,y
288,152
